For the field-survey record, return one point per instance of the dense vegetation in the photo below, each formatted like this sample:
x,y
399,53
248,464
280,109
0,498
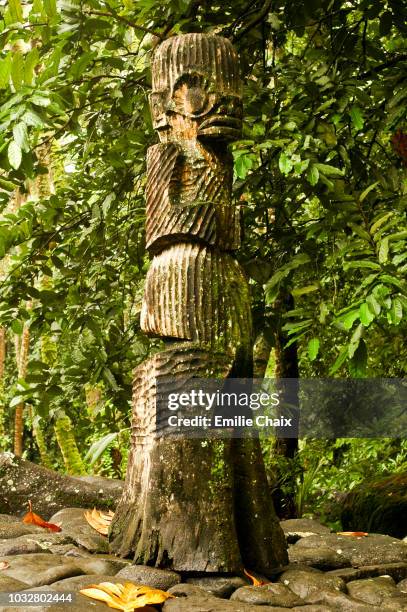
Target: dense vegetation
x,y
320,174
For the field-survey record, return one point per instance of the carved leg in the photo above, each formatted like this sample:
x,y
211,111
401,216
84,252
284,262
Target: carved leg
x,y
179,493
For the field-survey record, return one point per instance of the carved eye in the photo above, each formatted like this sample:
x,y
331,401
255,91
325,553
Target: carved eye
x,y
190,95
195,100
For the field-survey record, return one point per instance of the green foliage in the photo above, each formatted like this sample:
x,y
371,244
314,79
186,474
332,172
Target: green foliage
x,y
332,468
321,182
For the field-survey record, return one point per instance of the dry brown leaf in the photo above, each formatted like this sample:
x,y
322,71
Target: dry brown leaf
x,y
127,596
4,565
99,520
355,534
256,581
34,519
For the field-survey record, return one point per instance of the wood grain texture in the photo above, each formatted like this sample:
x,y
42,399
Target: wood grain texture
x,y
188,197
190,504
198,294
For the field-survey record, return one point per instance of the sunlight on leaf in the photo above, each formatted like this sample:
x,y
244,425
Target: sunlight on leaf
x,y
126,597
354,534
34,519
99,520
255,581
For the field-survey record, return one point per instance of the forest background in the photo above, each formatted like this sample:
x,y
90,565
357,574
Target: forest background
x,y
319,173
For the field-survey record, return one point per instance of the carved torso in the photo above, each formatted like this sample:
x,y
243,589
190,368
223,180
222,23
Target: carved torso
x,y
188,197
195,290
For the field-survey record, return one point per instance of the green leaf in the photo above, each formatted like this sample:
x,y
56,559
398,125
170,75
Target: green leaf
x,y
296,292
17,69
357,118
312,175
300,166
40,100
14,155
31,61
98,447
5,70
364,263
358,363
348,319
243,164
50,8
392,281
298,260
329,170
313,348
373,304
110,379
16,10
384,250
7,185
296,326
354,341
21,136
377,224
343,354
366,315
32,118
359,231
17,326
366,282
367,191
398,236
285,164
396,311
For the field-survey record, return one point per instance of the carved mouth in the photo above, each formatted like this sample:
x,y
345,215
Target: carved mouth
x,y
219,125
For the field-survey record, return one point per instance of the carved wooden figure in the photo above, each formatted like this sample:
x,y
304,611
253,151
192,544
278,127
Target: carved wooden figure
x,y
189,505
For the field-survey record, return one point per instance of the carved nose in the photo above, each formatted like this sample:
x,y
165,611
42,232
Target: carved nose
x,y
160,123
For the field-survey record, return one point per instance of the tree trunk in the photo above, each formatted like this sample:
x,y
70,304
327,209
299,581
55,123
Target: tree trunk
x,y
41,444
286,368
22,359
2,372
49,492
261,356
189,504
68,447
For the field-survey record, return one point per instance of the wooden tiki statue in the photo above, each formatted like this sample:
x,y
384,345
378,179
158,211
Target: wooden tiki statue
x,y
192,505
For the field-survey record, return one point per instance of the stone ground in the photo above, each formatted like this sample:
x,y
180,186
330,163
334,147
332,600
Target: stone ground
x,y
326,571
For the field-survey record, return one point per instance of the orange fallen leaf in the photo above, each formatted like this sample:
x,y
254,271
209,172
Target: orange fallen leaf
x,y
35,519
256,581
99,520
127,596
4,565
355,534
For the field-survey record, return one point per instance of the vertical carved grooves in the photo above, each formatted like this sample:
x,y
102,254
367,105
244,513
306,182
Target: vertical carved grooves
x,y
196,293
188,195
185,361
193,505
205,54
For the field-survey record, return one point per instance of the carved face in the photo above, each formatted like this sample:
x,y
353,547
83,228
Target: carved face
x,y
196,101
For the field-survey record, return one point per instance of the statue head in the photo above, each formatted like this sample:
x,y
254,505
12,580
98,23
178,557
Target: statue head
x,y
196,88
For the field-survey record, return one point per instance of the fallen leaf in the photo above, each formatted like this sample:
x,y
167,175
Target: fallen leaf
x,y
99,520
4,565
256,581
127,596
35,519
355,534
